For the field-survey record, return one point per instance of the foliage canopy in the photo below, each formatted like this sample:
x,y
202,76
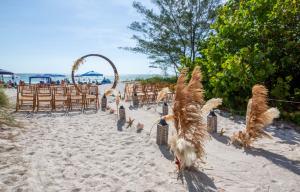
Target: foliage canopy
x,y
171,32
254,41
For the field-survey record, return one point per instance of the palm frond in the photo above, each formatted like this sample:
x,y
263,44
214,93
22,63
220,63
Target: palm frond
x,y
211,104
162,94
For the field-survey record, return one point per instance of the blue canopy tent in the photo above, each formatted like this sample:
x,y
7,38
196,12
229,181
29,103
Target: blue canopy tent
x,y
47,78
54,75
91,74
4,72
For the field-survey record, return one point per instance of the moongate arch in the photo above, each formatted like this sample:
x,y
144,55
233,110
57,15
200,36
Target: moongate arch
x,y
80,61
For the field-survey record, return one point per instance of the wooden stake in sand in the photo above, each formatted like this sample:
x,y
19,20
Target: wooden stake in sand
x,y
165,109
122,114
135,100
103,103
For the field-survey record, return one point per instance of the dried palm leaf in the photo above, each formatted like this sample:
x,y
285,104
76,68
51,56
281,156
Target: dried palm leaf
x,y
162,94
76,65
257,118
167,117
210,104
108,92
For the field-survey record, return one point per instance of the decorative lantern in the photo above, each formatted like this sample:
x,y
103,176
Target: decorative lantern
x,y
165,109
103,103
122,114
162,133
135,100
212,122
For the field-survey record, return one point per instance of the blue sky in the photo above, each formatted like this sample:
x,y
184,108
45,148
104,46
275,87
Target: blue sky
x,y
49,35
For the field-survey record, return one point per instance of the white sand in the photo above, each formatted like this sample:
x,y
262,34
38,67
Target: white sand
x,y
92,152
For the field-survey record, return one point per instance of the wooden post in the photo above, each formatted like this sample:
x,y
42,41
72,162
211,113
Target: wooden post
x,y
103,103
165,109
162,133
122,114
212,122
135,100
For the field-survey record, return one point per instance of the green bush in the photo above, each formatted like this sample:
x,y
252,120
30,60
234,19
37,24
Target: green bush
x,y
3,99
158,79
254,41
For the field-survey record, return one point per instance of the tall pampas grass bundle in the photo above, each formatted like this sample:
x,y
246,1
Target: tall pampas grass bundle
x,y
258,116
188,112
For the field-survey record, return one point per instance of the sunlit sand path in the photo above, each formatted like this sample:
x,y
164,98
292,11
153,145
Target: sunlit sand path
x,y
91,152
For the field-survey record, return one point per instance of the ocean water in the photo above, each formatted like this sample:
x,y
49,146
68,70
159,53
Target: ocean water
x,y
129,77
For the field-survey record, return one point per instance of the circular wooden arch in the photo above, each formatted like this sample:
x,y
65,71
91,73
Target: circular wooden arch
x,y
79,61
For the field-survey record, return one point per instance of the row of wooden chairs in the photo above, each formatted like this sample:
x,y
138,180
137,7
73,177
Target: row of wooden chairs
x,y
54,98
145,93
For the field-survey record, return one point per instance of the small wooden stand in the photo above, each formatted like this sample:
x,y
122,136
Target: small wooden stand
x,y
212,122
165,109
162,133
135,100
122,114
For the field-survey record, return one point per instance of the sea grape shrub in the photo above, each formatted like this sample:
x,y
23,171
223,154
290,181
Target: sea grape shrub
x,y
255,41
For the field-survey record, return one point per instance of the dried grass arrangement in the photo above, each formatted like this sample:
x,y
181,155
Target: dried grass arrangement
x,y
188,115
258,116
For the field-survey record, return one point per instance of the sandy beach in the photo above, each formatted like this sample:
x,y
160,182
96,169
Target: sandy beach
x,y
94,152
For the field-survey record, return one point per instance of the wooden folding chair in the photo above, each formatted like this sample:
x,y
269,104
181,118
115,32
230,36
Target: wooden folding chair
x,y
76,99
44,98
150,93
138,89
92,97
60,98
26,96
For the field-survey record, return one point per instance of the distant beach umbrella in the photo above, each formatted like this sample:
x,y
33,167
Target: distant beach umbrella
x,y
91,74
4,72
54,75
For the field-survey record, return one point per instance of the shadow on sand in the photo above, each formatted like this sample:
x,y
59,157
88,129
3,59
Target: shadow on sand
x,y
198,181
223,139
120,124
279,160
288,136
166,152
195,180
235,118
